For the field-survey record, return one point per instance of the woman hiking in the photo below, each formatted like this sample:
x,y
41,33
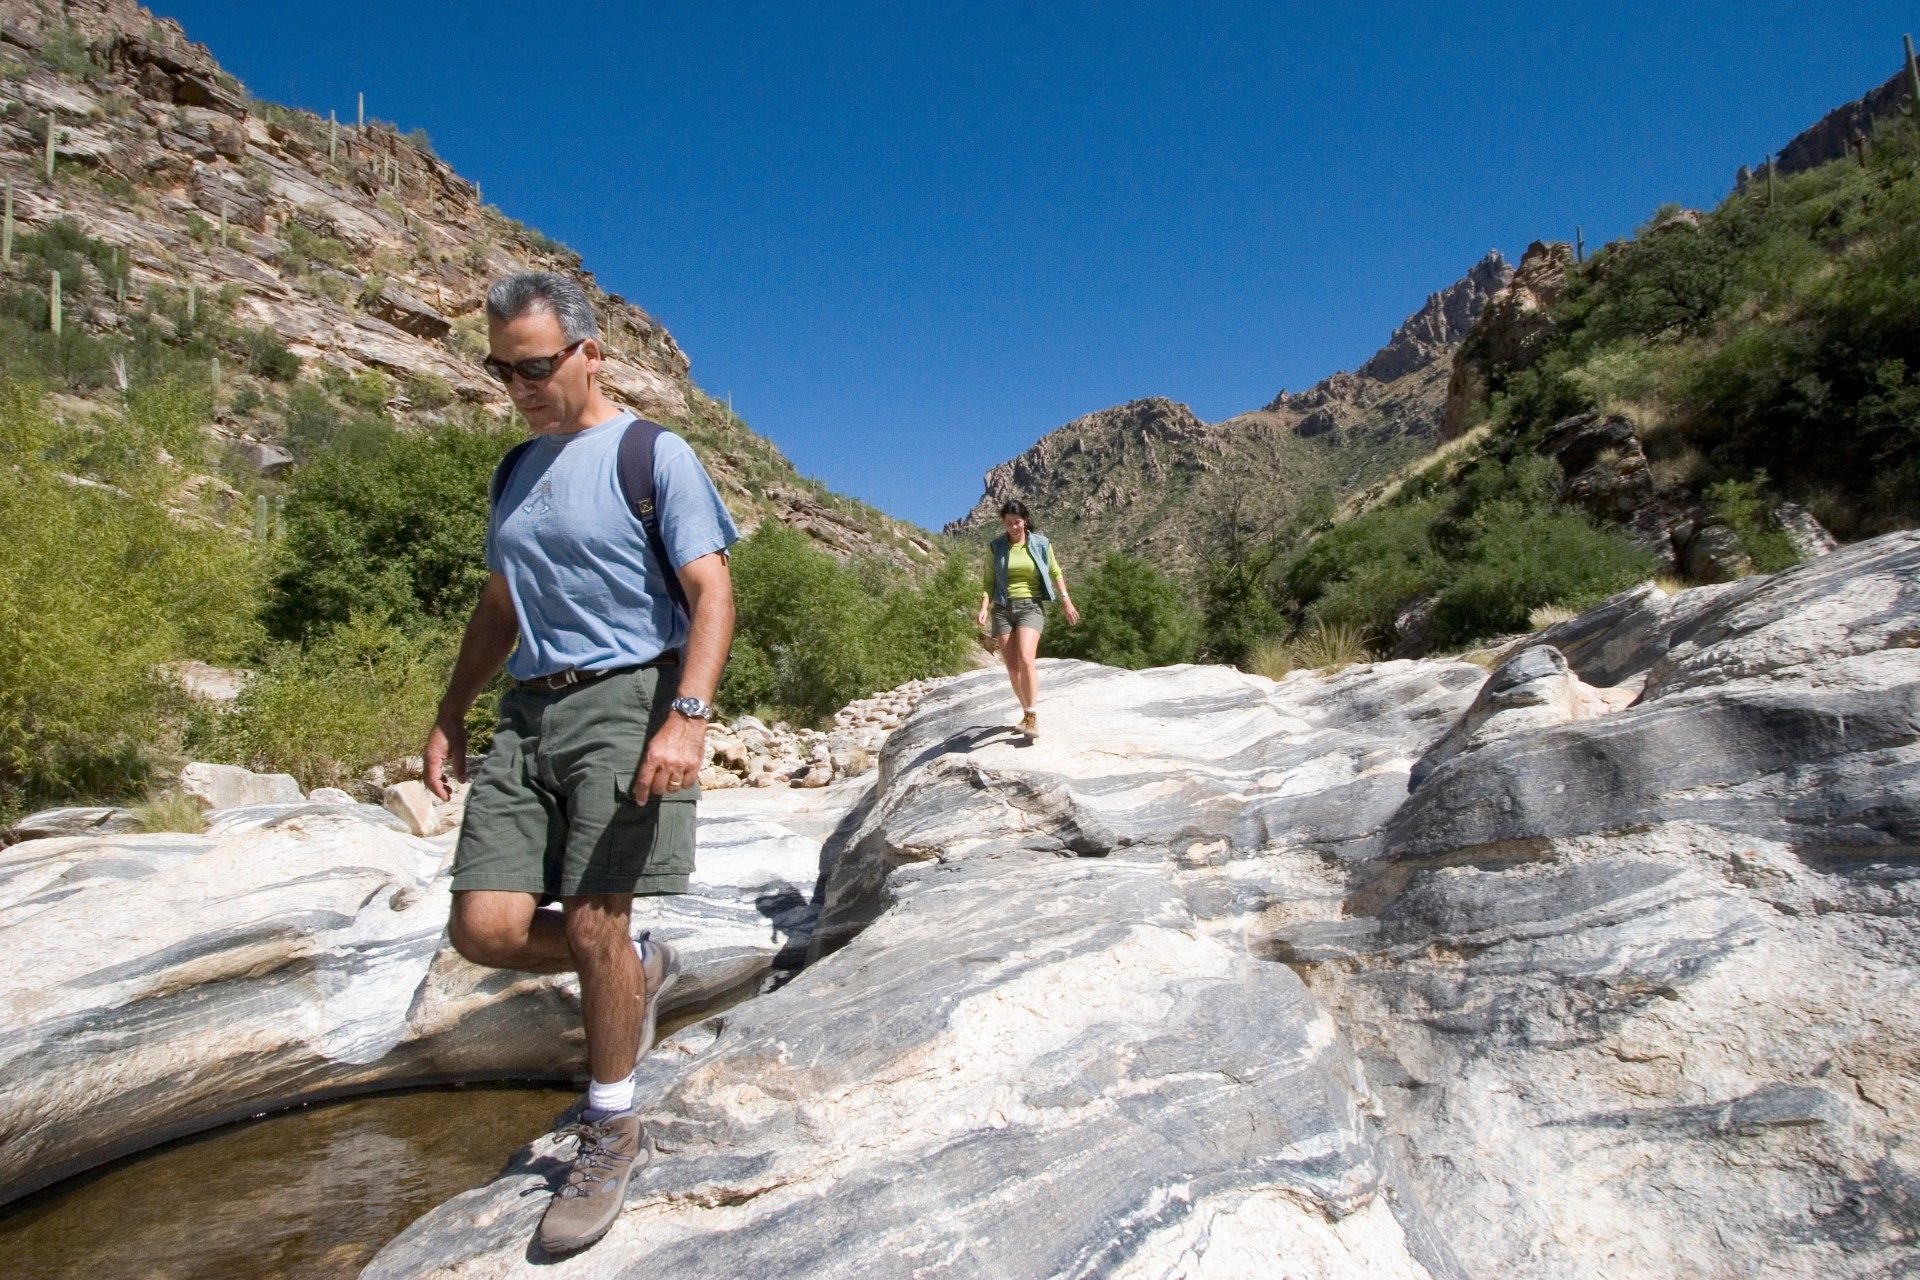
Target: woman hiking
x,y
1022,575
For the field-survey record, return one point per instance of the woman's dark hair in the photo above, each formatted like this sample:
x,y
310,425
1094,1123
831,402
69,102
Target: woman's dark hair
x,y
1015,507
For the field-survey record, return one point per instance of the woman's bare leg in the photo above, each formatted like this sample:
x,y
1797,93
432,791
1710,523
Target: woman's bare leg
x,y
1026,645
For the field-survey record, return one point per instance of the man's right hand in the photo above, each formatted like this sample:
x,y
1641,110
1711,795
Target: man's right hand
x,y
447,740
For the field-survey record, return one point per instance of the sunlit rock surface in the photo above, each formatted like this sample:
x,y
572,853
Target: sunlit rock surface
x,y
158,984
1196,985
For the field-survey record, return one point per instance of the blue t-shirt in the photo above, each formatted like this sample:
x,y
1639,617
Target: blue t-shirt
x,y
585,586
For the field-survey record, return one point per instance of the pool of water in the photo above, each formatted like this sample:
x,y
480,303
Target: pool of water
x,y
312,1192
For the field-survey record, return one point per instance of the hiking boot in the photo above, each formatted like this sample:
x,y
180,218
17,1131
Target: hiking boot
x,y
1030,725
590,1199
661,964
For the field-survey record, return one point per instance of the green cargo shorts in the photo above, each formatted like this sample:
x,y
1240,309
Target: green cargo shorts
x,y
552,811
1027,615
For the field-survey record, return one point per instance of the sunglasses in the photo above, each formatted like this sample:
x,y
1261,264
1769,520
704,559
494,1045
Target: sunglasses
x,y
538,369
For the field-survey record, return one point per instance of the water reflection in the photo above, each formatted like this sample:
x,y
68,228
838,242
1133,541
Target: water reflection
x,y
307,1193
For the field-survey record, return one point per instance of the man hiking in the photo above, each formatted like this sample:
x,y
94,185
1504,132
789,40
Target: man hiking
x,y
608,585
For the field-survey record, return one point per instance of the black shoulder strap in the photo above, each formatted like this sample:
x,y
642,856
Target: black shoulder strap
x,y
504,472
636,482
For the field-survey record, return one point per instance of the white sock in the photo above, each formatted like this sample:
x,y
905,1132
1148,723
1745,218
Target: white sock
x,y
610,1099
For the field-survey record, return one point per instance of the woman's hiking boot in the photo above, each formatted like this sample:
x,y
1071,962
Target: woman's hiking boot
x,y
1030,725
589,1200
661,965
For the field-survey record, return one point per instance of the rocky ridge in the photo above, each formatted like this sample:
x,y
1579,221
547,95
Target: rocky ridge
x,y
354,243
1150,478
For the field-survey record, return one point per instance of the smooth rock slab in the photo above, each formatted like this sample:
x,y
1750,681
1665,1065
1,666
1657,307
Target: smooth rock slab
x,y
166,983
1085,1087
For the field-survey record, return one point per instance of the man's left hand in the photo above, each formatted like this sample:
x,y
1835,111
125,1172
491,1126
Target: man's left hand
x,y
673,758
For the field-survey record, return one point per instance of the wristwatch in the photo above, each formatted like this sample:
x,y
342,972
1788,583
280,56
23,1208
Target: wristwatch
x,y
693,708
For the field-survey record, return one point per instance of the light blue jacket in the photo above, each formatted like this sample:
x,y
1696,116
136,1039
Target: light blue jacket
x,y
1042,552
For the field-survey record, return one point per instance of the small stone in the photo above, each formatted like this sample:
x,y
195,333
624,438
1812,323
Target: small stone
x,y
412,803
329,795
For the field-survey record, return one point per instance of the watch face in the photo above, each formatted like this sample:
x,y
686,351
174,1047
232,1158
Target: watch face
x,y
692,708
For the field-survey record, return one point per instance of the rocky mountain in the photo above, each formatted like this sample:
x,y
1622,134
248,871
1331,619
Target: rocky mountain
x,y
1605,949
1151,479
1836,133
353,242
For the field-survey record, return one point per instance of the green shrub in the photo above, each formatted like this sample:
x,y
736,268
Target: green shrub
x,y
428,390
361,693
385,524
1363,572
1525,557
1745,508
1132,616
268,356
98,586
825,636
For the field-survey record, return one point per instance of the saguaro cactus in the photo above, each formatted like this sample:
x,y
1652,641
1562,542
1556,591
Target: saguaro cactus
x,y
1579,246
362,124
223,224
213,375
53,303
193,302
52,132
1913,81
6,228
333,136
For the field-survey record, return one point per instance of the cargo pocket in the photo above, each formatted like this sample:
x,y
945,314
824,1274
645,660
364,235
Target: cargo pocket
x,y
646,846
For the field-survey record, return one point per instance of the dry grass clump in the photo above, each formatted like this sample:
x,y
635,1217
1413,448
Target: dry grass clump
x,y
1272,658
1670,583
170,811
1325,647
1548,615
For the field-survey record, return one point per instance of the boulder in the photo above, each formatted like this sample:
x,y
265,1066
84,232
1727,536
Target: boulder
x,y
1511,332
329,795
228,786
408,314
94,820
267,459
1604,466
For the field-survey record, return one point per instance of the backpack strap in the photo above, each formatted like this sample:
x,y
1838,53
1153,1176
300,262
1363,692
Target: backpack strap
x,y
636,482
504,472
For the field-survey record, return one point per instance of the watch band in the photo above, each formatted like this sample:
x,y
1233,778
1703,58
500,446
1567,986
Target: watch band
x,y
692,708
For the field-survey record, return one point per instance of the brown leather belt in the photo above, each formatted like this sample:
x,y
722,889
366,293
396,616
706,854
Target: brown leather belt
x,y
573,675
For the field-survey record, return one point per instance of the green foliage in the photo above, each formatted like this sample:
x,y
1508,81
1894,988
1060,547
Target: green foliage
x,y
428,390
98,586
1744,506
386,524
359,694
67,51
1522,557
1236,612
268,356
1132,616
812,637
169,811
1363,573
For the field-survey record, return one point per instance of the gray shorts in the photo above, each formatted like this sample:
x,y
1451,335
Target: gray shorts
x,y
552,809
1027,615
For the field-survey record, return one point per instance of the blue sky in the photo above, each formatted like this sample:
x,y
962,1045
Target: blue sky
x,y
911,238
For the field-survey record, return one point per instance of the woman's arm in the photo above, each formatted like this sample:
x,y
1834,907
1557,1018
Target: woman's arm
x,y
1066,601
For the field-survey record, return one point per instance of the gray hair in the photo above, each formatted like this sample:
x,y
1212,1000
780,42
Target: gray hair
x,y
547,292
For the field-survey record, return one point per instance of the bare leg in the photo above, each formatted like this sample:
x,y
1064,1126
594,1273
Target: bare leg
x,y
505,930
612,984
1010,656
1026,645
